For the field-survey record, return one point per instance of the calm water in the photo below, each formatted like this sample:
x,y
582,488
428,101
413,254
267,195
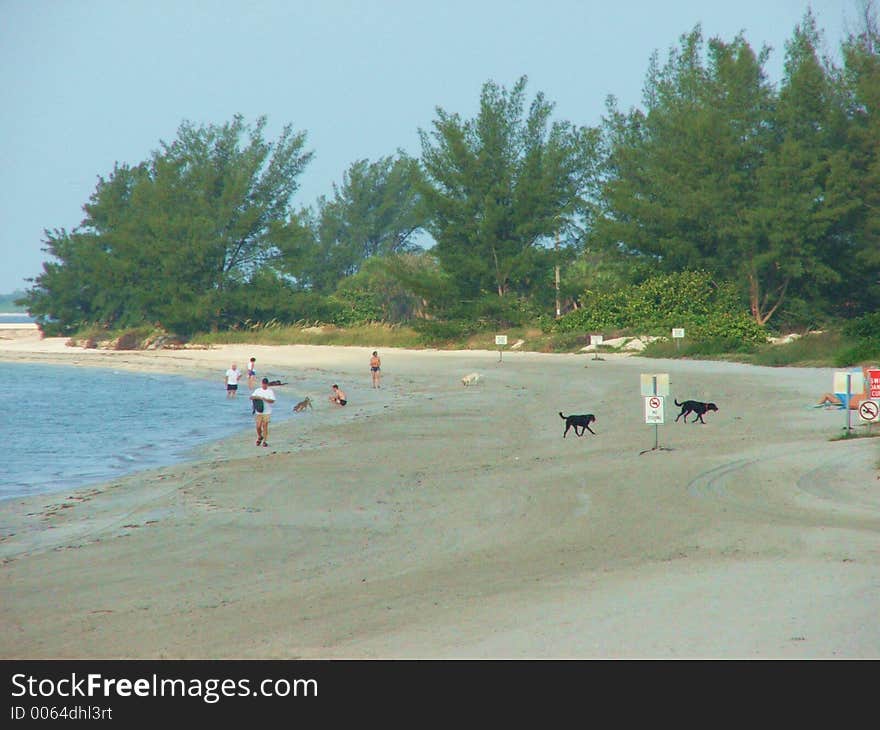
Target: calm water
x,y
13,318
64,426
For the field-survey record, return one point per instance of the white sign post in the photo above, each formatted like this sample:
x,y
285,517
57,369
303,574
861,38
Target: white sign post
x,y
677,334
846,383
654,386
595,341
500,340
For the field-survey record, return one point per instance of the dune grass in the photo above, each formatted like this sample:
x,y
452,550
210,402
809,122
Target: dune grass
x,y
819,349
368,335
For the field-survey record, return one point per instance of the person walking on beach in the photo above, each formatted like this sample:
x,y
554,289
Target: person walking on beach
x,y
263,398
337,396
233,375
252,374
375,367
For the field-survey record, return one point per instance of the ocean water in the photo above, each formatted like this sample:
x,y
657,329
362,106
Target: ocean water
x,y
14,318
68,426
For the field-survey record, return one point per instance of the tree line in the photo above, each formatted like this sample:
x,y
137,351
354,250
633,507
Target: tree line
x,y
771,192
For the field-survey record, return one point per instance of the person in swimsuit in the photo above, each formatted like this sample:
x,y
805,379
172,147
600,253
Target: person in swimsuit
x,y
252,374
375,366
337,396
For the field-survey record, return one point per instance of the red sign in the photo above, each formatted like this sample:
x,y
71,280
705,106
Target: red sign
x,y
874,383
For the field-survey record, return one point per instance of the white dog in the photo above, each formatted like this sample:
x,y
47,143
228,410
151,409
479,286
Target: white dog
x,y
470,378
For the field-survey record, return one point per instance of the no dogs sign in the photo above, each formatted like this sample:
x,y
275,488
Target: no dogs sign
x,y
869,410
654,409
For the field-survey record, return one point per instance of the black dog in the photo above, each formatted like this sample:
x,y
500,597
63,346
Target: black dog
x,y
575,422
695,406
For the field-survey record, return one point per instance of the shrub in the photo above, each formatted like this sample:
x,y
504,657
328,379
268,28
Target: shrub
x,y
689,299
866,327
437,332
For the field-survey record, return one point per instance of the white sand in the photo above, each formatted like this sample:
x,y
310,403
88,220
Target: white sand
x,y
431,520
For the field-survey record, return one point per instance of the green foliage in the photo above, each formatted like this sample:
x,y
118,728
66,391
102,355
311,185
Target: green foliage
x,y
771,189
715,348
490,310
866,327
375,213
163,241
377,293
499,185
437,332
865,333
865,351
690,299
372,335
269,297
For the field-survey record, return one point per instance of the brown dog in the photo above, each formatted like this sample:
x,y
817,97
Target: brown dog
x,y
303,404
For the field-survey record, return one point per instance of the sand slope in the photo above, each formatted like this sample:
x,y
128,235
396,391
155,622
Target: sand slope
x,y
432,520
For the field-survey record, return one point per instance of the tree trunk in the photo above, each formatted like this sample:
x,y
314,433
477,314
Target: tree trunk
x,y
760,307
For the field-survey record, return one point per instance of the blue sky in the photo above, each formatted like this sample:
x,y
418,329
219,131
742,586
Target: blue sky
x,y
87,83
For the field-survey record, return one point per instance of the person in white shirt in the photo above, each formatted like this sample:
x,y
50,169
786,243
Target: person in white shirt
x,y
233,375
263,398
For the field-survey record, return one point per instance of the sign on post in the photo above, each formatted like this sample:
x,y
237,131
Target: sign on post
x,y
869,410
500,340
677,334
654,409
851,378
873,384
595,341
655,384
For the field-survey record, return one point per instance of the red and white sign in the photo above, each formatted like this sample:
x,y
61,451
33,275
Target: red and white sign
x,y
869,410
654,409
874,383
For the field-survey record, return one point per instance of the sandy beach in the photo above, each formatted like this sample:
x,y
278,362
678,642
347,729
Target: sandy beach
x,y
432,520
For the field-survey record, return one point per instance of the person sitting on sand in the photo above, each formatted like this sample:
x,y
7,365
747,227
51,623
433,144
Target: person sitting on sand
x,y
337,396
828,400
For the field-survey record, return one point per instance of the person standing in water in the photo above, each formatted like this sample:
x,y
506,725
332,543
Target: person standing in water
x,y
233,375
252,374
375,368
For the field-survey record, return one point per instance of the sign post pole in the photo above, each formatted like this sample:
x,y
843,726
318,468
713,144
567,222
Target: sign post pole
x,y
677,334
848,399
655,388
500,340
656,426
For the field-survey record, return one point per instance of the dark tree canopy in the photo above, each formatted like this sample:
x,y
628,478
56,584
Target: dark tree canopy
x,y
499,184
163,240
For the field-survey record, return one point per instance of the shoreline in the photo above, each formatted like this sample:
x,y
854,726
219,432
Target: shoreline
x,y
432,520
